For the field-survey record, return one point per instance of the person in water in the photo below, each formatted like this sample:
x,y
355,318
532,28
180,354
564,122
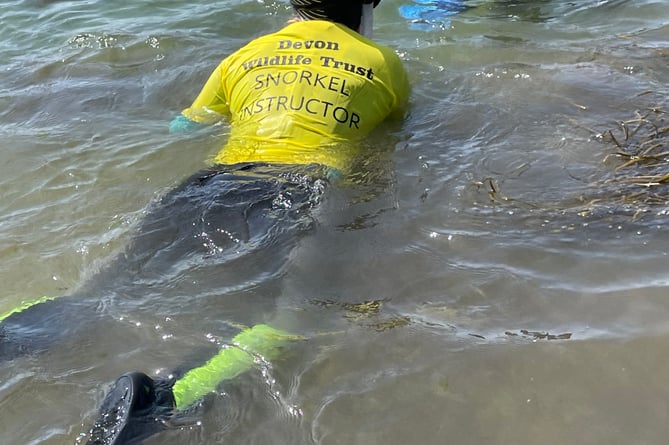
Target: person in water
x,y
298,101
304,94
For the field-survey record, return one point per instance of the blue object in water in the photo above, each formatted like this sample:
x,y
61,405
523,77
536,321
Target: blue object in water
x,y
181,124
430,14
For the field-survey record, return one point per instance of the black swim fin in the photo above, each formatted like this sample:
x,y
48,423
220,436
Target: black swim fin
x,y
135,408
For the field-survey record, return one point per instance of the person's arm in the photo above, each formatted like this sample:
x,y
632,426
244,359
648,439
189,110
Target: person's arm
x,y
395,80
210,106
401,89
181,124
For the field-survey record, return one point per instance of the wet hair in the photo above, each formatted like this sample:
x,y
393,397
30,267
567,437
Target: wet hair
x,y
346,12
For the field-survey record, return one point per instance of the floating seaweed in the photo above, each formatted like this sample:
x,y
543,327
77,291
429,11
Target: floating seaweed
x,y
367,310
539,335
390,323
641,152
638,183
363,310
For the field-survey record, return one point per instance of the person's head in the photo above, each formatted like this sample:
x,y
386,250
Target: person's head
x,y
346,12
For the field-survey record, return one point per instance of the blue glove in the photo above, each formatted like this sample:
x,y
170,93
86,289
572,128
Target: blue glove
x,y
425,15
181,124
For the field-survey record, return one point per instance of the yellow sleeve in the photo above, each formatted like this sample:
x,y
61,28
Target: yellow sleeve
x,y
404,89
400,86
212,103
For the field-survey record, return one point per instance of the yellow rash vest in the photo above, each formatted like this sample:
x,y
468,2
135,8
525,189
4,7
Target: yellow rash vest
x,y
301,94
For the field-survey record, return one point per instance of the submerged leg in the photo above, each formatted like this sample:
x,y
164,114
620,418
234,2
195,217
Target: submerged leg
x,y
217,217
36,325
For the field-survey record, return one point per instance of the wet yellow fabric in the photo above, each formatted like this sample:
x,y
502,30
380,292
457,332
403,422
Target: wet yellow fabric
x,y
301,95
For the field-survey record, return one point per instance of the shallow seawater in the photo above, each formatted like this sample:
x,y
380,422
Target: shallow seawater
x,y
480,279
